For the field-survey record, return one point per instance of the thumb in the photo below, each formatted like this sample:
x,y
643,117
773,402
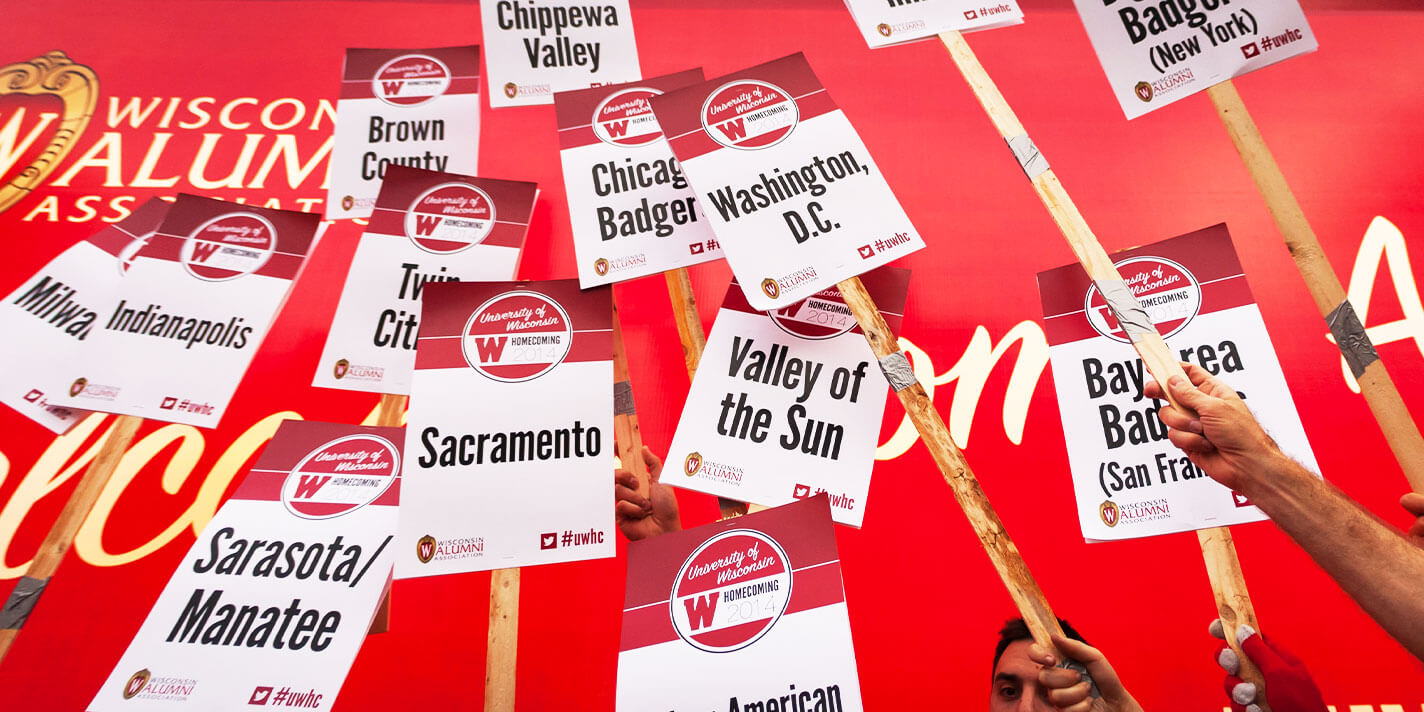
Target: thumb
x,y
655,465
1099,669
1187,394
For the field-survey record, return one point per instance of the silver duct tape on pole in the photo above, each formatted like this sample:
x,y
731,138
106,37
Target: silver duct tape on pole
x,y
897,371
1032,162
623,399
1350,336
1125,308
22,600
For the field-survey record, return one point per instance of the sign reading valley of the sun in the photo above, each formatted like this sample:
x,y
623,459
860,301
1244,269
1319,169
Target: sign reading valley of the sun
x,y
794,197
754,605
193,306
891,23
272,602
402,107
512,395
48,319
789,402
632,210
1128,478
533,50
427,227
1157,53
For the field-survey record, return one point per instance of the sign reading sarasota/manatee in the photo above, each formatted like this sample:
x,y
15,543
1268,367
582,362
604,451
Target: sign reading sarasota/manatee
x,y
794,197
534,49
890,23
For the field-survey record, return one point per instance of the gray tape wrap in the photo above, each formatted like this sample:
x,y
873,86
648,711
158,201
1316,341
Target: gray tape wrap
x,y
1125,308
1350,336
898,372
22,600
1032,162
1082,670
623,399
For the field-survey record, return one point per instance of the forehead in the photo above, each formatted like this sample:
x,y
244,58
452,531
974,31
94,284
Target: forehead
x,y
1015,661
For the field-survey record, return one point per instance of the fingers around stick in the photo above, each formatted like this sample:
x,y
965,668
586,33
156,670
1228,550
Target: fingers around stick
x,y
625,479
1413,503
1068,696
628,510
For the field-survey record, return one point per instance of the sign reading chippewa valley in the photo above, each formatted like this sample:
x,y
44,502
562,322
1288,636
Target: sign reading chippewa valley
x,y
272,602
533,50
191,310
890,23
512,395
1157,53
402,107
427,227
632,210
794,197
1129,479
787,404
50,317
754,605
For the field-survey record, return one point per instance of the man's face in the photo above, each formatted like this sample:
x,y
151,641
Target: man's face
x,y
1016,685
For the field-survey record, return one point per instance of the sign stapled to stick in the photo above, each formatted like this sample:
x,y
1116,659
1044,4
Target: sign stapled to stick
x,y
534,50
794,196
408,107
192,309
739,614
427,227
789,402
511,394
884,24
632,210
271,604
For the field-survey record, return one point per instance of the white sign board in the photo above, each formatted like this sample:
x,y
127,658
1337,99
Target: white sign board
x,y
884,23
534,50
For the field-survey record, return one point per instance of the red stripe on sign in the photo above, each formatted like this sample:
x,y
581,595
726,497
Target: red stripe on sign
x,y
363,89
729,636
446,351
263,485
1229,293
506,235
281,266
699,142
576,137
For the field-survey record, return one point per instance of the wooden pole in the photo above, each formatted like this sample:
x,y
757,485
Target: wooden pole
x,y
627,438
1219,552
1383,399
389,414
61,534
502,651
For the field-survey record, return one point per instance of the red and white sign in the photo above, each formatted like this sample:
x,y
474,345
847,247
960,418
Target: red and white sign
x,y
402,107
753,604
1129,480
273,600
427,227
534,50
512,394
796,200
884,24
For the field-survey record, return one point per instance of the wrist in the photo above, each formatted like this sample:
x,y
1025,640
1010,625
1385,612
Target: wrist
x,y
1273,478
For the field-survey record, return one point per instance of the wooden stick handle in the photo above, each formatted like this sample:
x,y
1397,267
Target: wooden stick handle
x,y
502,652
61,534
684,313
627,438
1383,399
390,413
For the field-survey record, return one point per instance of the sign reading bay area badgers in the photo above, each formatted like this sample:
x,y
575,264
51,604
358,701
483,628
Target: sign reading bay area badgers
x,y
794,197
632,211
49,317
427,227
1128,478
1158,52
192,308
512,394
788,404
272,602
883,24
402,107
743,615
536,49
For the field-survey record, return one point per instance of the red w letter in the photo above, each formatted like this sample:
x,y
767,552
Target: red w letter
x,y
392,87
700,610
426,224
203,250
308,485
734,129
616,128
490,348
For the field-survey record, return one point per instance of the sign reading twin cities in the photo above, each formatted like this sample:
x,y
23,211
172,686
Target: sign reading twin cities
x,y
1160,51
194,303
632,211
49,318
279,589
426,227
755,604
783,401
1193,290
795,199
535,49
538,358
896,22
402,107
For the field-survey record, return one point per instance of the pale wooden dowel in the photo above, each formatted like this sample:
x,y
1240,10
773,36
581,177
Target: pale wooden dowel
x,y
390,413
627,438
502,652
684,313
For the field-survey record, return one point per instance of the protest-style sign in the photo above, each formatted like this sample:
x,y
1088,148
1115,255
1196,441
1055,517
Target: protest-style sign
x,y
50,316
427,227
191,311
402,107
794,196
511,395
788,403
534,50
272,602
883,24
1129,479
741,614
632,210
1158,53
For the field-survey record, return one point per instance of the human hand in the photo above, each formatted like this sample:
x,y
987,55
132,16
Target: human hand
x,y
642,517
1289,687
1414,504
1223,439
1067,689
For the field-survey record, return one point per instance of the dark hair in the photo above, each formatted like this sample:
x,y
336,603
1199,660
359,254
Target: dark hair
x,y
1016,629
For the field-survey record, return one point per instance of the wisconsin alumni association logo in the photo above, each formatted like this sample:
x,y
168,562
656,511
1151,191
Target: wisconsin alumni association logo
x,y
136,683
425,549
692,463
50,75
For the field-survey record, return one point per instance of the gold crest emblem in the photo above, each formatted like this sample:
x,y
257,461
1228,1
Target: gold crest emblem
x,y
76,86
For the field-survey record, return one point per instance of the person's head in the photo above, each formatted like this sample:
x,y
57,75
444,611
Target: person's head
x,y
1014,682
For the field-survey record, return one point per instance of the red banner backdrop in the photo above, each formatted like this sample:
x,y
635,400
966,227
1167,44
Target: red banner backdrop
x,y
235,100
